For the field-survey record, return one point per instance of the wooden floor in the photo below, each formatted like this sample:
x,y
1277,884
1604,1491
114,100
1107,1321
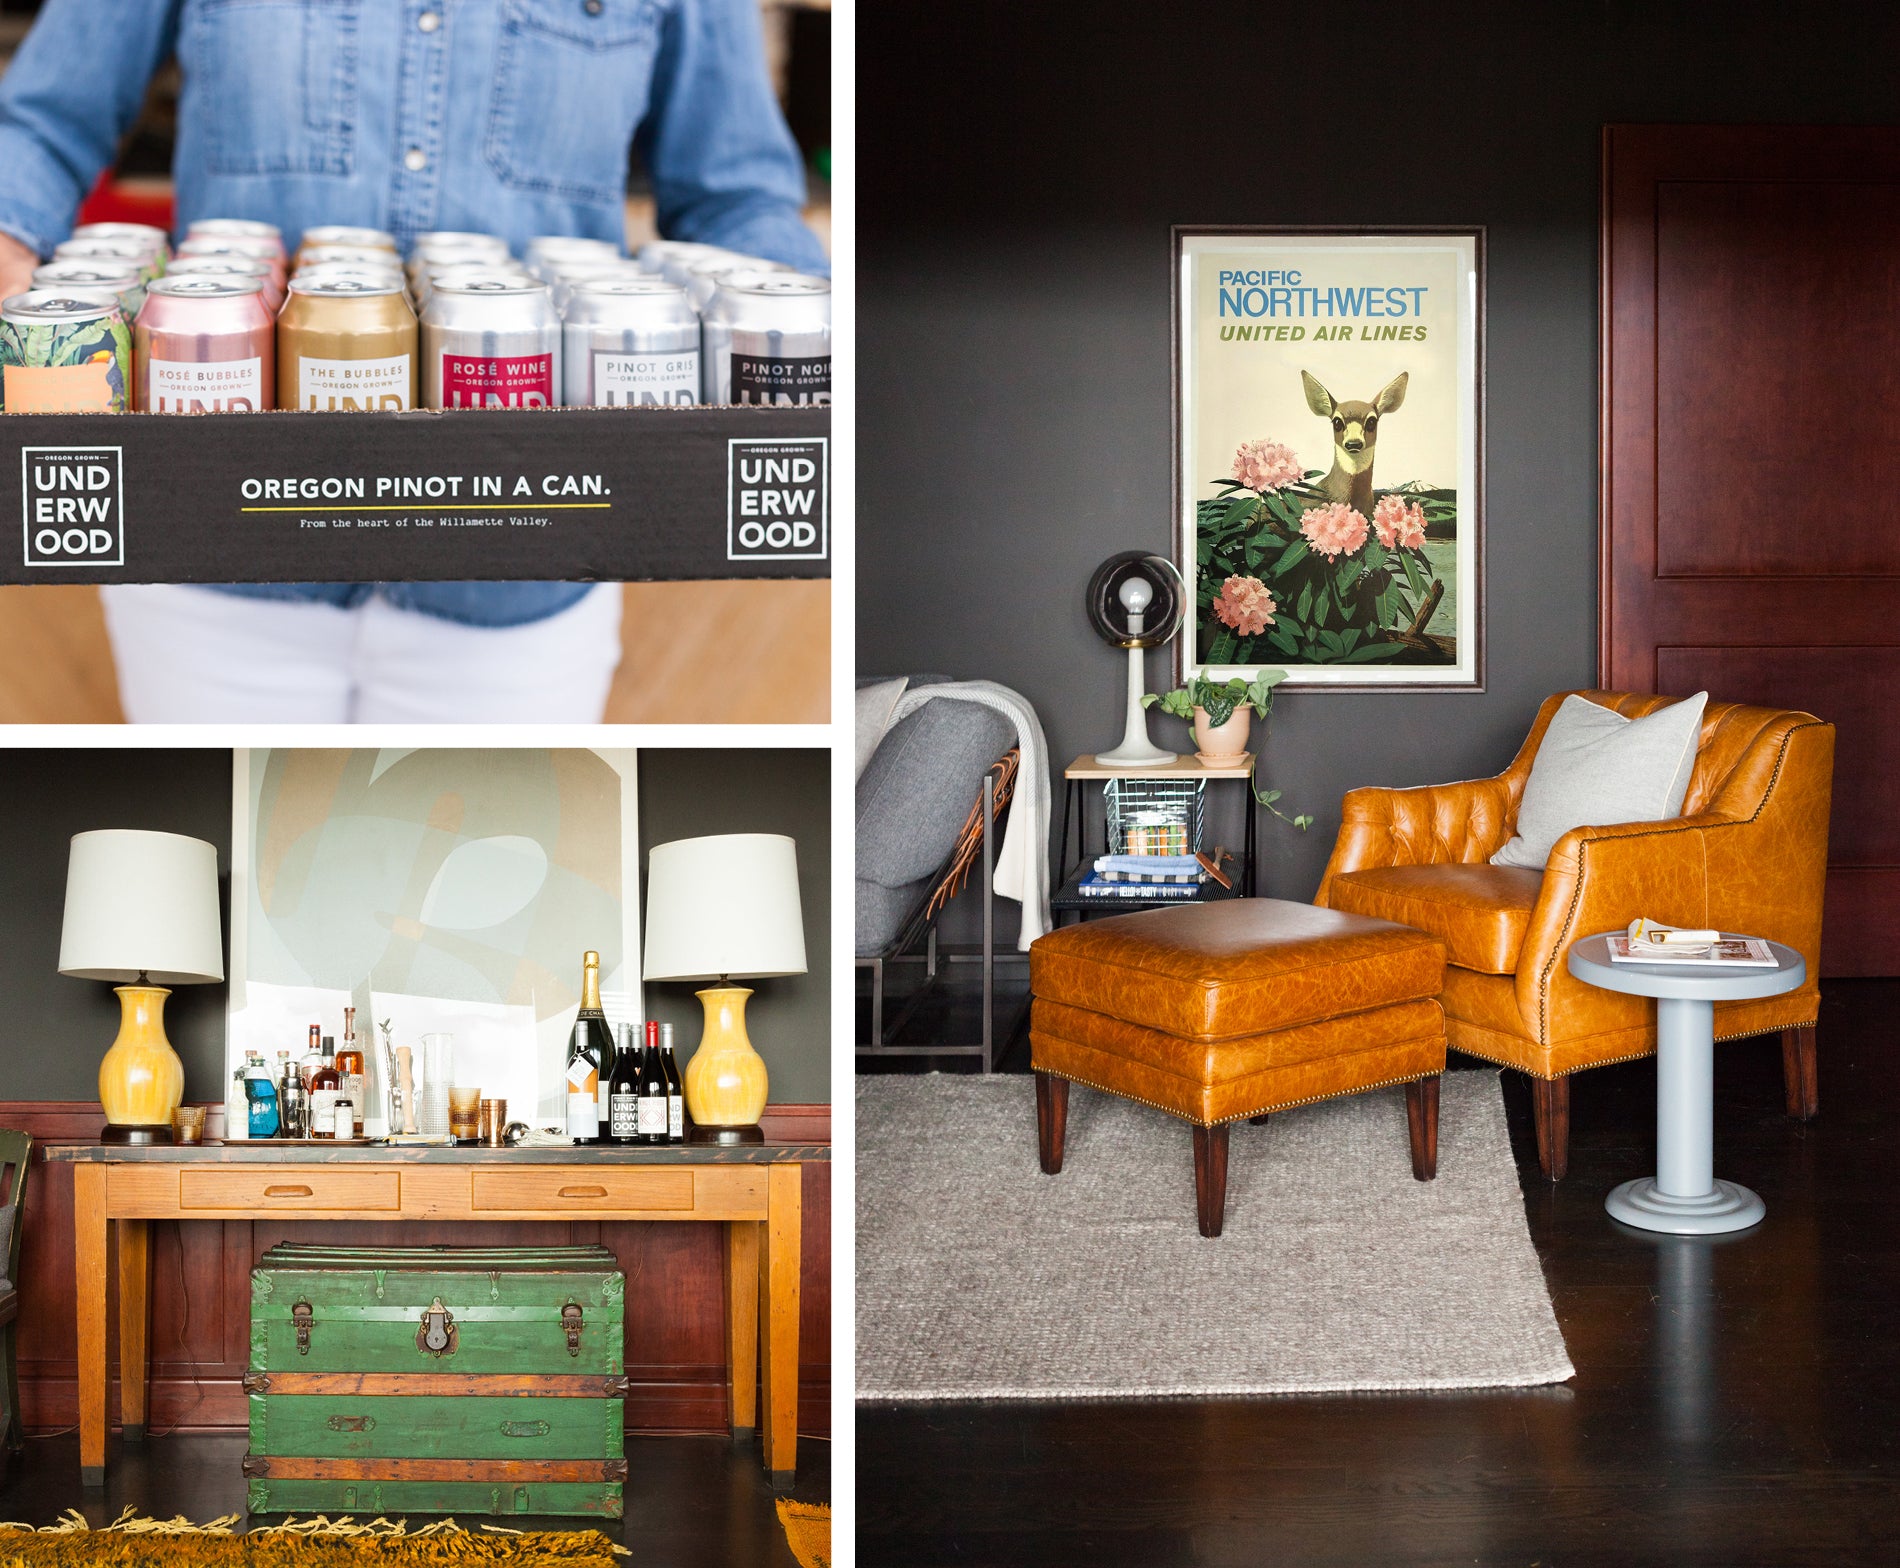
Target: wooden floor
x,y
1737,1401
692,653
692,1502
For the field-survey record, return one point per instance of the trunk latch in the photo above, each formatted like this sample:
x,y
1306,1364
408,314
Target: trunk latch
x,y
300,1316
438,1334
571,1321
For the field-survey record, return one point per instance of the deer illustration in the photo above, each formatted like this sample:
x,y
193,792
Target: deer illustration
x,y
1355,433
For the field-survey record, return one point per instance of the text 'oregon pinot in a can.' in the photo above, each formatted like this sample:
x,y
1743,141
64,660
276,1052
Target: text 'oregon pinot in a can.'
x,y
628,341
768,341
490,342
346,345
203,345
66,351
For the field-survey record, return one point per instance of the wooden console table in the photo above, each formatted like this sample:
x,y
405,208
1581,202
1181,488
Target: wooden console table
x,y
753,1190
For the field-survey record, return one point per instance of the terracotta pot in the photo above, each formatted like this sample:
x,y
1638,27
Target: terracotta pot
x,y
1219,744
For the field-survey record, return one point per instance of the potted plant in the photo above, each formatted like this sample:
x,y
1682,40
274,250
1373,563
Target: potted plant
x,y
1222,715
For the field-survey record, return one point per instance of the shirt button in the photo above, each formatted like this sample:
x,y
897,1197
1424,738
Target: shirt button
x,y
429,21
415,160
594,7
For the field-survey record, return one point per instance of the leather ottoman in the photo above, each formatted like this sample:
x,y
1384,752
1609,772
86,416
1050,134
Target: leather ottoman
x,y
1227,1011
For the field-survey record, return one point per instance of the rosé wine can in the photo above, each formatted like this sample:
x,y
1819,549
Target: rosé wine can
x,y
249,229
768,340
118,253
231,267
238,246
628,342
155,240
346,345
203,344
122,280
490,342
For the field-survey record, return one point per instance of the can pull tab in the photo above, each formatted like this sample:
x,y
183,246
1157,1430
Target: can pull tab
x,y
571,1321
438,1334
300,1317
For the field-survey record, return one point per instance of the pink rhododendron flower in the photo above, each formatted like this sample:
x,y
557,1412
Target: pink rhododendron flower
x,y
1335,529
1265,465
1399,525
1246,605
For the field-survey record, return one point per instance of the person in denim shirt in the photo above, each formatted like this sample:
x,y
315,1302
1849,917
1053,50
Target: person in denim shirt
x,y
511,116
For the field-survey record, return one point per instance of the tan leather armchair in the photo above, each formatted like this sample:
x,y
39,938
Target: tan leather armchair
x,y
1748,853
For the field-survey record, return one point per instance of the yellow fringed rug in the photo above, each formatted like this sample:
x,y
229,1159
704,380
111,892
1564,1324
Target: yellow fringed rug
x,y
132,1542
807,1532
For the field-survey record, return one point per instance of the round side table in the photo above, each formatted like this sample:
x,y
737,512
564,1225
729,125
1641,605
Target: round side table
x,y
1683,1198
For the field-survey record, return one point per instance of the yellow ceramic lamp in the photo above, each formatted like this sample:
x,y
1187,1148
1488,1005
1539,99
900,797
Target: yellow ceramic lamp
x,y
717,908
141,908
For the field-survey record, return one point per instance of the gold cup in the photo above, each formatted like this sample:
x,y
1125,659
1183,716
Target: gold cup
x,y
188,1124
494,1123
465,1114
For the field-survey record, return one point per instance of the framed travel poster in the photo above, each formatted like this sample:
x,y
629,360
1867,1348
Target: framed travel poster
x,y
1328,448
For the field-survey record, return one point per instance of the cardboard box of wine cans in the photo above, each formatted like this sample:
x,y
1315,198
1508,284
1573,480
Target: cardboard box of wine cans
x,y
551,494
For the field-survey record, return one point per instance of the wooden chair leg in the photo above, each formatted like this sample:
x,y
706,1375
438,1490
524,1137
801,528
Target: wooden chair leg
x,y
1800,1072
1052,1119
16,1424
1550,1107
1421,1116
1210,1177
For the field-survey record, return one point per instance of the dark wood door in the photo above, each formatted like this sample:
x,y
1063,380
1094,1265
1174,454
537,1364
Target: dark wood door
x,y
1751,456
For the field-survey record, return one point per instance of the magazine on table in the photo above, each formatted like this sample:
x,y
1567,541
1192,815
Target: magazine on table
x,y
1648,943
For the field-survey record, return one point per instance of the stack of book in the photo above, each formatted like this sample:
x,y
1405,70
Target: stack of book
x,y
1147,877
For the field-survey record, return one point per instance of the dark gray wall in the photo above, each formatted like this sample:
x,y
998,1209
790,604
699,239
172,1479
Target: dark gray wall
x,y
684,794
1014,205
59,1028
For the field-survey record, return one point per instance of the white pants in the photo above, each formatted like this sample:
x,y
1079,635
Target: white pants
x,y
196,656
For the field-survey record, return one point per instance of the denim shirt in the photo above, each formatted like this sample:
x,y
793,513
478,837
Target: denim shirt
x,y
510,116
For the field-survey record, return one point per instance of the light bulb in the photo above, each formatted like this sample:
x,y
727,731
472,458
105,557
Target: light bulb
x,y
1136,594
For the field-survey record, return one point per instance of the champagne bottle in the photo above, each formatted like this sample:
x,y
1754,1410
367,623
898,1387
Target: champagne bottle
x,y
583,1084
624,1092
600,1039
675,1088
652,1117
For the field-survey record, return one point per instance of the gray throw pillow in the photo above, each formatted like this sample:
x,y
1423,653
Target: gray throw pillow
x,y
1596,768
877,700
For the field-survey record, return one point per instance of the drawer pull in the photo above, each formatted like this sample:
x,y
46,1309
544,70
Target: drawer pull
x,y
352,1423
288,1192
583,1192
525,1429
300,1315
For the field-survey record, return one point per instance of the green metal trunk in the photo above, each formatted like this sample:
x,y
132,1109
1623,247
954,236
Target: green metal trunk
x,y
437,1380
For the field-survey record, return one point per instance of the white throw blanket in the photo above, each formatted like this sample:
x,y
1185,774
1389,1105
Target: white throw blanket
x,y
1022,861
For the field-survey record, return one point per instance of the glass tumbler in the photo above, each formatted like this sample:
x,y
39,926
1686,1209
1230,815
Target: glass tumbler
x,y
438,1069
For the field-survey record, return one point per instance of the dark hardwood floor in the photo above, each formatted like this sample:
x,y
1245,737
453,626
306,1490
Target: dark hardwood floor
x,y
692,1502
1737,1401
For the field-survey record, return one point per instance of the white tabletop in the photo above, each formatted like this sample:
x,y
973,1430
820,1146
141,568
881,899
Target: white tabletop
x,y
1589,960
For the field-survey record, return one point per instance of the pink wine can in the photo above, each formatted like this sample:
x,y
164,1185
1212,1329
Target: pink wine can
x,y
203,344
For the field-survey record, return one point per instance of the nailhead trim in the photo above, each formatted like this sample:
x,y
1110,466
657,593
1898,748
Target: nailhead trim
x,y
1238,1116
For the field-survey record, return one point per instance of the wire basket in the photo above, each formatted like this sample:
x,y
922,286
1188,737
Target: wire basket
x,y
1154,816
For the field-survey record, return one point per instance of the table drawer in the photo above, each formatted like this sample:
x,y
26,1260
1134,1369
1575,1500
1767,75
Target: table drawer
x,y
290,1191
581,1191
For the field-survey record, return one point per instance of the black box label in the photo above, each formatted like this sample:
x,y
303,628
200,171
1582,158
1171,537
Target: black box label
x,y
778,500
73,505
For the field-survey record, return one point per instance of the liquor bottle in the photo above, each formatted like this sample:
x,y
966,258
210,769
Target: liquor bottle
x,y
349,1066
601,1037
293,1101
583,1084
623,1093
651,1106
260,1096
237,1106
312,1058
324,1083
675,1088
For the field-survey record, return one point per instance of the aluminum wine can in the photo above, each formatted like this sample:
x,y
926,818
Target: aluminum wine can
x,y
362,255
154,239
250,230
704,283
346,345
467,271
240,247
630,341
769,341
671,258
64,351
118,253
490,342
546,254
123,281
344,271
347,234
451,245
204,345
562,285
230,267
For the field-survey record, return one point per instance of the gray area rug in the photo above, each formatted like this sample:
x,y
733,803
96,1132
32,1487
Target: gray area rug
x,y
981,1278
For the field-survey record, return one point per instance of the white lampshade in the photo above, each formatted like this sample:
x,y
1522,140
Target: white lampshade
x,y
142,903
725,906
